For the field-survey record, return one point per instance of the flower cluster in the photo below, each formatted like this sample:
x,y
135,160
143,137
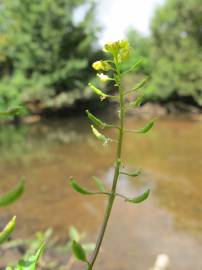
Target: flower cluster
x,y
120,51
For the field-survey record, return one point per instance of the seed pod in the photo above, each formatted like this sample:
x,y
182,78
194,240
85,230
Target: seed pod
x,y
140,198
138,101
98,91
4,235
99,123
146,128
140,84
133,173
78,251
99,136
78,188
12,195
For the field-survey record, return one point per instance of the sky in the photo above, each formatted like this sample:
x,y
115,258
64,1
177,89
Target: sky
x,y
116,16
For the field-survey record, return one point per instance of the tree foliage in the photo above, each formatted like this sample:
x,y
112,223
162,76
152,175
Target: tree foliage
x,y
176,53
141,49
45,51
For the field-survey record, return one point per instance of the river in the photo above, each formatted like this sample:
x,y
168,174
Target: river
x,y
46,154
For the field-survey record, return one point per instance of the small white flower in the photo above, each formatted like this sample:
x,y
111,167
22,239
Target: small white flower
x,y
103,77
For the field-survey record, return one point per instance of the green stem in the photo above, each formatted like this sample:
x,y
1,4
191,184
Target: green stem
x,y
115,178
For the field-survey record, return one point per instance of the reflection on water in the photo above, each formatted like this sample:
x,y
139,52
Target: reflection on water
x,y
46,154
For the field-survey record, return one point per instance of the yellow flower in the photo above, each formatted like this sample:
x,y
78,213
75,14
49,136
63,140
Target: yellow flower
x,y
111,47
101,65
103,77
120,48
124,50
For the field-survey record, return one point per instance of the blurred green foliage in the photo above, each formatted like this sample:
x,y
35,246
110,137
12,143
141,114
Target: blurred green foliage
x,y
176,52
46,48
45,51
141,46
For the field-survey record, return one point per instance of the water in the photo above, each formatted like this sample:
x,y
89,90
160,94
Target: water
x,y
170,221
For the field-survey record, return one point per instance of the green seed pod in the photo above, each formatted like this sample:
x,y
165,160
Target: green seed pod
x,y
140,84
98,91
4,235
78,188
146,128
78,251
140,198
12,195
100,136
133,173
138,101
99,123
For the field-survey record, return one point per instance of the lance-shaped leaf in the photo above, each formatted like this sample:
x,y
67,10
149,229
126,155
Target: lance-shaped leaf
x,y
78,188
99,184
100,136
98,91
12,112
96,121
140,84
4,235
32,261
133,173
146,128
12,195
140,198
78,251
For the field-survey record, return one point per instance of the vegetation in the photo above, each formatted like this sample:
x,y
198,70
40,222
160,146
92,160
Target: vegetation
x,y
176,52
12,195
118,53
45,52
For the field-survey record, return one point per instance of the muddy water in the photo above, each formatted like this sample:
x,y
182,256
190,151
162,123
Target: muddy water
x,y
170,222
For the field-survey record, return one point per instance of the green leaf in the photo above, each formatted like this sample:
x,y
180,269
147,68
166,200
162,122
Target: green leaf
x,y
97,121
140,198
12,195
4,235
98,91
99,184
74,234
78,188
32,261
146,128
99,135
12,112
140,84
133,173
78,251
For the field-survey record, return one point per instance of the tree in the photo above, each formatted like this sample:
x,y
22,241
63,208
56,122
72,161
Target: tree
x,y
176,56
45,52
141,45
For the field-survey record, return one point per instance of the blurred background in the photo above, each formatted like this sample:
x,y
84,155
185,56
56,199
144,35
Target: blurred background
x,y
46,51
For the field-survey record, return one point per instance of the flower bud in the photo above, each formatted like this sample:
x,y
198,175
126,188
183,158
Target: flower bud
x,y
101,65
103,77
119,48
